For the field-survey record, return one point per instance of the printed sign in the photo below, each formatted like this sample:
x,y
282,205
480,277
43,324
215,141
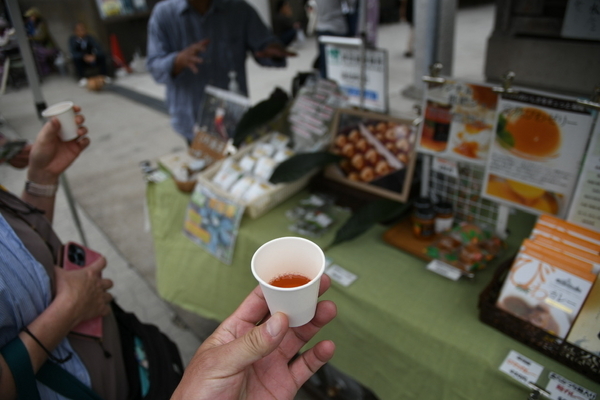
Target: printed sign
x,y
343,66
585,209
521,368
561,388
537,151
458,121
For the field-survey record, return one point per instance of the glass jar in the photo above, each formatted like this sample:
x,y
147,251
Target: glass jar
x,y
423,220
444,216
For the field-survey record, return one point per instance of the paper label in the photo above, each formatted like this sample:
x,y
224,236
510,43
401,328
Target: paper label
x,y
340,275
445,167
521,368
563,389
445,270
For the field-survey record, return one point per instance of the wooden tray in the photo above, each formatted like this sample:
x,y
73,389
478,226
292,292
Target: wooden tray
x,y
402,237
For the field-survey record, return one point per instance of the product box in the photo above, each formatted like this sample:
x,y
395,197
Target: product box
x,y
561,259
585,333
235,177
570,228
563,237
545,292
573,252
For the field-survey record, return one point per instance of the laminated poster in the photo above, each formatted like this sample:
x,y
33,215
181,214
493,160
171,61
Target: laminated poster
x,y
458,121
536,153
213,222
585,209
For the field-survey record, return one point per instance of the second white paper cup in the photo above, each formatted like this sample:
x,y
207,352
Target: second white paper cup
x,y
63,111
290,255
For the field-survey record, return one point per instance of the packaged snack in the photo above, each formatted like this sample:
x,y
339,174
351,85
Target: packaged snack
x,y
263,150
255,191
241,186
228,174
247,163
264,168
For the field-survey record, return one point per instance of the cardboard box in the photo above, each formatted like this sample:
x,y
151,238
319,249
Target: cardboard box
x,y
585,332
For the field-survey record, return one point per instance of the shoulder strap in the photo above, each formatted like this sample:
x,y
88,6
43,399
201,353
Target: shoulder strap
x,y
16,356
62,382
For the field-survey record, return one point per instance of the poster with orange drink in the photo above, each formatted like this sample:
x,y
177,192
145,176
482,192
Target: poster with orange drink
x,y
534,160
458,121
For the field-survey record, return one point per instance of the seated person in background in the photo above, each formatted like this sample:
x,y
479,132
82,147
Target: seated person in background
x,y
86,52
44,49
284,26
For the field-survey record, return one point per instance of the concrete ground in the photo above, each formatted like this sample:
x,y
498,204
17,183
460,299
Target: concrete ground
x,y
107,183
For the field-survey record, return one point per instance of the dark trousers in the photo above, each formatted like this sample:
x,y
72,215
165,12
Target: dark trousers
x,y
287,37
81,66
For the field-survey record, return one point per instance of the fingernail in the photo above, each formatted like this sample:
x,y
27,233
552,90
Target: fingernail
x,y
274,325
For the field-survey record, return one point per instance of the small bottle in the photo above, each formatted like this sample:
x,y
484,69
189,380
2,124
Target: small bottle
x,y
423,220
444,216
233,84
422,202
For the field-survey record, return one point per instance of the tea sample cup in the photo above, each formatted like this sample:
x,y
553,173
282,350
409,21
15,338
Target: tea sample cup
x,y
289,258
65,114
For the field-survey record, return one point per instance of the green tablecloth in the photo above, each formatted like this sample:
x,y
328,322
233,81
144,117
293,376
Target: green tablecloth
x,y
401,330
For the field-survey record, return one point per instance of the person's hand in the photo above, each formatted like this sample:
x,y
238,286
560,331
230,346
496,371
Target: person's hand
x,y
241,360
50,156
275,51
21,159
83,292
188,57
89,58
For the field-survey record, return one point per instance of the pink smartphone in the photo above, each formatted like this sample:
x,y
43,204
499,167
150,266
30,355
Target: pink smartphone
x,y
76,256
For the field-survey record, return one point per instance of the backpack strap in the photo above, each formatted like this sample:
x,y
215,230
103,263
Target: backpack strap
x,y
64,383
17,357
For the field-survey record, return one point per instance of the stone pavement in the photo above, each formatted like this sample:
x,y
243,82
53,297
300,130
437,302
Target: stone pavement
x,y
107,183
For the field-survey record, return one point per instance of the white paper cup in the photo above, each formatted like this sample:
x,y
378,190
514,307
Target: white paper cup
x,y
290,255
63,111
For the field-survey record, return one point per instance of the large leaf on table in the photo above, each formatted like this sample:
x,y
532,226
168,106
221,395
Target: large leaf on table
x,y
301,164
364,218
259,115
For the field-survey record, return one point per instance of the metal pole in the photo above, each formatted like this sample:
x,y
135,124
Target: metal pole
x,y
25,49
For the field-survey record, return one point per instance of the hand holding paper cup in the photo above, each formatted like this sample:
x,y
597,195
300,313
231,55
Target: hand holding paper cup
x,y
289,271
65,114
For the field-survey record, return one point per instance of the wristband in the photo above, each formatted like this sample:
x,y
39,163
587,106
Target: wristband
x,y
37,189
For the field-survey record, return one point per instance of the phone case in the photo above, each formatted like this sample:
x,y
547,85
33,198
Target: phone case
x,y
76,256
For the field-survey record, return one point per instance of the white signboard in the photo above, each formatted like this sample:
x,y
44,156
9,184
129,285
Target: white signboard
x,y
343,66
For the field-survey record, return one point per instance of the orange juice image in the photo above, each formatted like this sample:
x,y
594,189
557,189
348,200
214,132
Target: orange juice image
x,y
529,133
524,194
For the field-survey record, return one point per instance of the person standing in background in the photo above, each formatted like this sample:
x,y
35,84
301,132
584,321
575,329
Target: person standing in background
x,y
194,43
406,15
331,21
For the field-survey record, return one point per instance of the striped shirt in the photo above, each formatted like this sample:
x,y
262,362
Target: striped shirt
x,y
25,294
233,27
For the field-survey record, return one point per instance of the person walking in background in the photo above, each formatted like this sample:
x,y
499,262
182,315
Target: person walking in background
x,y
284,26
86,53
406,15
44,49
331,21
194,43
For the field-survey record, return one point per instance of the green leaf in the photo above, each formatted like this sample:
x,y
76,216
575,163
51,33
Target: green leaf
x,y
301,164
364,218
259,115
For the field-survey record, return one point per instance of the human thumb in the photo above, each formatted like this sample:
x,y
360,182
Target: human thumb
x,y
257,343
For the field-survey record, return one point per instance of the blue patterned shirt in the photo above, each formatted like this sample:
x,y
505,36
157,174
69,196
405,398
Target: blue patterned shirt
x,y
233,27
24,294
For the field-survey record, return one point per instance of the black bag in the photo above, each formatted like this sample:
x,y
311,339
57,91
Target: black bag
x,y
164,365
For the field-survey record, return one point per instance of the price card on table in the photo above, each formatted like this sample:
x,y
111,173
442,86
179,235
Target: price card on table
x,y
521,368
561,388
445,270
339,274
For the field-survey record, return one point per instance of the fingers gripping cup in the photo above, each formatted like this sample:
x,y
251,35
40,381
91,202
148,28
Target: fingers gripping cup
x,y
65,114
289,271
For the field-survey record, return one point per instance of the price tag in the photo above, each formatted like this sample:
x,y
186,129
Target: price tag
x,y
445,167
340,275
445,270
563,389
521,368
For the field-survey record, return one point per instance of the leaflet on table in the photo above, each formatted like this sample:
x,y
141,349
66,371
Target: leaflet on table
x,y
585,208
458,121
220,112
10,143
560,388
536,154
545,292
212,221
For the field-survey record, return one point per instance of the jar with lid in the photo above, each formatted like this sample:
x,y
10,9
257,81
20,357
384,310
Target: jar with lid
x,y
421,203
444,216
423,220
